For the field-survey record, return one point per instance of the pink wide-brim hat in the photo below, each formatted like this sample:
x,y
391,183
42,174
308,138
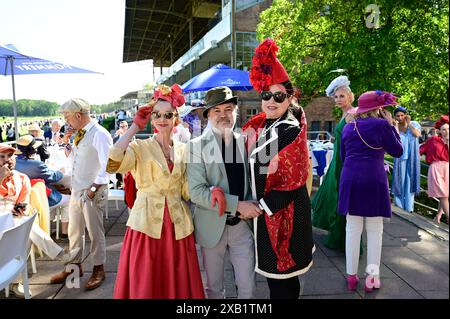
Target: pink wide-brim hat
x,y
373,100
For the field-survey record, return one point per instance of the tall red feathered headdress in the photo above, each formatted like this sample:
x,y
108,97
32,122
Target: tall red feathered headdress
x,y
266,68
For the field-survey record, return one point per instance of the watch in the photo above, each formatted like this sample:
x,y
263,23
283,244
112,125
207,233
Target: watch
x,y
93,189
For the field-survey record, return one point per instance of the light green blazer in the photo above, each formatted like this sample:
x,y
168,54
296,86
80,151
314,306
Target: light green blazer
x,y
205,169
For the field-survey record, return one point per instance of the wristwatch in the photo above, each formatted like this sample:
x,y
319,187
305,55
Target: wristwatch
x,y
93,189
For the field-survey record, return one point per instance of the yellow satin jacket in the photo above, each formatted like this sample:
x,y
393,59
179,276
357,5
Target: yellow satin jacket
x,y
155,183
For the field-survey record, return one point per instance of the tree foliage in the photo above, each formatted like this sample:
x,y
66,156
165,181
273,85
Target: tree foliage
x,y
29,108
407,55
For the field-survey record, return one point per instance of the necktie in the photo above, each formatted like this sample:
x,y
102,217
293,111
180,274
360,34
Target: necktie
x,y
79,136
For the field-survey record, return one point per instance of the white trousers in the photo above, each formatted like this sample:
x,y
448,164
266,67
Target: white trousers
x,y
238,240
88,214
42,240
374,229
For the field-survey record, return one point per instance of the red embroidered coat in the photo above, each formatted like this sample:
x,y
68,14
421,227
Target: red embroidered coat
x,y
279,162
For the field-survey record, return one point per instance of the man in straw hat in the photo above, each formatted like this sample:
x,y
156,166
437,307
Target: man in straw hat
x,y
217,164
89,193
38,134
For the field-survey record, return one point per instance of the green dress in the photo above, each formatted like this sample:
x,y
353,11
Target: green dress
x,y
325,201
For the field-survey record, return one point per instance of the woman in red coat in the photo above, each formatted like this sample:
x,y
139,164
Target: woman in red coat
x,y
279,164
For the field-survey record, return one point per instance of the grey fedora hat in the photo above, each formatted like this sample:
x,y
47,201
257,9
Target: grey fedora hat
x,y
218,95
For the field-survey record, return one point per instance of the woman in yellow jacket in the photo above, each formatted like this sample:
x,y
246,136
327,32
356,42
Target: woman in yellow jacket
x,y
158,257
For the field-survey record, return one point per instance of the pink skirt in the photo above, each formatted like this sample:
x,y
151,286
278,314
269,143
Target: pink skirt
x,y
438,179
158,268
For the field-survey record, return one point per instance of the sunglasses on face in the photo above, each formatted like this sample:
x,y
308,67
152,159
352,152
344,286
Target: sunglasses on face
x,y
167,115
278,96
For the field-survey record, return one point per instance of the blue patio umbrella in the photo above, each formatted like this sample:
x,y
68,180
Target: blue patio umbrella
x,y
12,62
219,75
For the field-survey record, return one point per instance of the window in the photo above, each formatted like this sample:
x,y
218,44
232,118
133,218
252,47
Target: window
x,y
251,112
245,47
315,126
329,126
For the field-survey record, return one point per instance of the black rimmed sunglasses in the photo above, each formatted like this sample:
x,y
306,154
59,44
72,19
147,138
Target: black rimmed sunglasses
x,y
167,115
278,96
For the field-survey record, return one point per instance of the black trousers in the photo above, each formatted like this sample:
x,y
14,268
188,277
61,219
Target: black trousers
x,y
284,288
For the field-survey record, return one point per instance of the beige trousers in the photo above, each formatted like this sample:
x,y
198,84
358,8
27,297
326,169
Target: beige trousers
x,y
88,214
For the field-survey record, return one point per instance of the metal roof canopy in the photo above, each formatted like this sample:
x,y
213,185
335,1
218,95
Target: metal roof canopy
x,y
161,29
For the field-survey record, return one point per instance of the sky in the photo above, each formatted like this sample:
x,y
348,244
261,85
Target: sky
x,y
83,33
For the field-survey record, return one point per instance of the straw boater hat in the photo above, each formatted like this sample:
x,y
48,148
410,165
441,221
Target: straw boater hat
x,y
25,142
34,127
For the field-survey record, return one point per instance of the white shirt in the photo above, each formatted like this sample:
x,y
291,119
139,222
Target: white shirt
x,y
102,143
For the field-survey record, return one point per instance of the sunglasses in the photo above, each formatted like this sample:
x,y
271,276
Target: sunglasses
x,y
167,115
278,96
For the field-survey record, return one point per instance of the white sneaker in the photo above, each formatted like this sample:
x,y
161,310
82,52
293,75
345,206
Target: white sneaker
x,y
18,291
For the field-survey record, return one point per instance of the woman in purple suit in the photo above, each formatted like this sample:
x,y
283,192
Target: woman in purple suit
x,y
364,188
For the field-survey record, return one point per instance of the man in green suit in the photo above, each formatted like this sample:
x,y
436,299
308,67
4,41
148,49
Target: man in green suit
x,y
218,158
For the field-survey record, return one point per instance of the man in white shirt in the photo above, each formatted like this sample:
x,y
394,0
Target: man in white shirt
x,y
89,189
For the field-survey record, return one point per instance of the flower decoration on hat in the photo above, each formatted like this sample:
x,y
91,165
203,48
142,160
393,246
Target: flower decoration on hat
x,y
173,95
443,120
266,68
386,98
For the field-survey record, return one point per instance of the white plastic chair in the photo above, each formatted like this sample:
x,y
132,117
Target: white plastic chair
x,y
14,246
114,194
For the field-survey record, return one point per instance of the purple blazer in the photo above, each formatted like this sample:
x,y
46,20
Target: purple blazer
x,y
364,187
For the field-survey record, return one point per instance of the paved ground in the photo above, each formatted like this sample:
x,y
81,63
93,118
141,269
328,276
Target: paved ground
x,y
415,265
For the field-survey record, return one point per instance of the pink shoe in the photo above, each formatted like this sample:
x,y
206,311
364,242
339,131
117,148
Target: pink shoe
x,y
371,284
352,282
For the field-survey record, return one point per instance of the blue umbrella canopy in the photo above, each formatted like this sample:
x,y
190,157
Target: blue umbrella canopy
x,y
13,62
25,64
219,75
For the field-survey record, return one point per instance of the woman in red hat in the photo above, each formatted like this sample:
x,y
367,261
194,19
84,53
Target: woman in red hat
x,y
363,186
279,163
436,150
158,257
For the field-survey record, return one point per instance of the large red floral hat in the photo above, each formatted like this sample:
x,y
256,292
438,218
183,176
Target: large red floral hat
x,y
266,68
173,95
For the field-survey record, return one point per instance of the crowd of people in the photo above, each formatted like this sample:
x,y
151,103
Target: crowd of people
x,y
237,193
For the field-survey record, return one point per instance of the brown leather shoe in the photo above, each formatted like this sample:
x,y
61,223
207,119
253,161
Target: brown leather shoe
x,y
61,277
97,277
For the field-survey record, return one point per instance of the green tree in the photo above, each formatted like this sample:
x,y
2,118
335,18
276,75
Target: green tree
x,y
407,54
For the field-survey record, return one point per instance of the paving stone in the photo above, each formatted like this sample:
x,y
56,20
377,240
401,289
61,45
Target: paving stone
x,y
402,230
105,291
324,281
394,288
414,269
117,230
434,294
320,260
340,264
114,243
